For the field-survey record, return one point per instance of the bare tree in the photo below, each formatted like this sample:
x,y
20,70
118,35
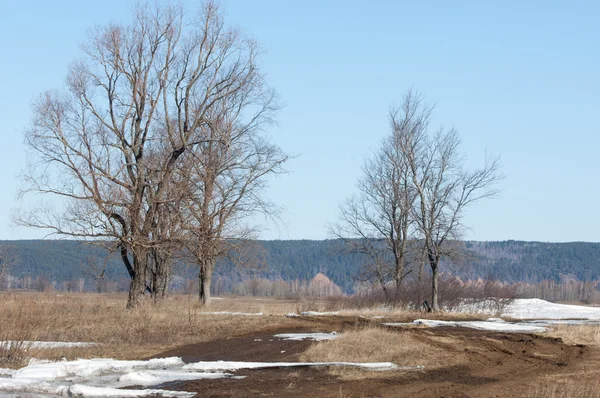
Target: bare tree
x,y
376,223
8,259
134,105
444,188
225,178
412,198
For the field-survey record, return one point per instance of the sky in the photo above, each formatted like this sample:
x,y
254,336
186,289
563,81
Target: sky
x,y
518,78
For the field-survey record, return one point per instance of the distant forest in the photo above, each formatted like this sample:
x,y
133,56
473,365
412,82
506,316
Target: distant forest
x,y
60,263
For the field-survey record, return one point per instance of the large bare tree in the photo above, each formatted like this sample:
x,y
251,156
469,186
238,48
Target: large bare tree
x,y
137,101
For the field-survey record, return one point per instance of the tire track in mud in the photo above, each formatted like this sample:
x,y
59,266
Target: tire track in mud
x,y
489,364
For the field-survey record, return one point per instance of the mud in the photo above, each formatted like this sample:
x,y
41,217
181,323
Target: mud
x,y
496,365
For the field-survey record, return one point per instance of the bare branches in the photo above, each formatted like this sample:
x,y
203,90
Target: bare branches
x,y
144,100
412,196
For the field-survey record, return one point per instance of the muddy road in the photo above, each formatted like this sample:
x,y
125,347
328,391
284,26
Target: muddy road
x,y
488,364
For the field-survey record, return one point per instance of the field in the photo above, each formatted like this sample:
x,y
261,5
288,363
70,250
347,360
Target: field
x,y
445,361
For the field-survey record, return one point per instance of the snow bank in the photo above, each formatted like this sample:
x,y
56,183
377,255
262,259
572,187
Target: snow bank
x,y
233,366
305,336
540,309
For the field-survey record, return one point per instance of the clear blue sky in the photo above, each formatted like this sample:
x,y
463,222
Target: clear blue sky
x,y
520,78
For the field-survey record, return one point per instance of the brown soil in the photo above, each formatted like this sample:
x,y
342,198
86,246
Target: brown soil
x,y
496,365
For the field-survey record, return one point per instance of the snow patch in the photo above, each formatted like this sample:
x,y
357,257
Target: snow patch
x,y
90,367
494,325
98,378
147,378
540,309
79,390
6,372
233,366
315,313
7,344
233,313
310,336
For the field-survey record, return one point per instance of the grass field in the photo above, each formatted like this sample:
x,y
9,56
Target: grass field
x,y
179,321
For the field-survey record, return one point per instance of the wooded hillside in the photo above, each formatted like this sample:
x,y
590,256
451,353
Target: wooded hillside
x,y
62,261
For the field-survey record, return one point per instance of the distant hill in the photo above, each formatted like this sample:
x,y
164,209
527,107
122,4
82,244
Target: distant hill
x,y
62,262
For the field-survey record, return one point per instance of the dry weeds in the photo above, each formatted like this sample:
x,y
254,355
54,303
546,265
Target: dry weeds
x,y
121,333
151,329
577,334
579,385
375,344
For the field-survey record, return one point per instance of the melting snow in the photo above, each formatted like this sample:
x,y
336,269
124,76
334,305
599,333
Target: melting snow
x,y
233,366
494,325
311,336
312,313
43,344
540,309
107,377
233,313
99,377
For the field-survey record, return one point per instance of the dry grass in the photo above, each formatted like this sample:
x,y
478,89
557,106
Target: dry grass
x,y
151,329
121,333
577,334
374,344
577,385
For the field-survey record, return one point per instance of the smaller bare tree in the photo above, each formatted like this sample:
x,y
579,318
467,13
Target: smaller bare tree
x,y
377,223
444,188
223,180
8,259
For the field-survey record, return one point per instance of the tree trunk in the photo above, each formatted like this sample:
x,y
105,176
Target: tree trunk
x,y
160,275
434,288
422,264
138,285
204,280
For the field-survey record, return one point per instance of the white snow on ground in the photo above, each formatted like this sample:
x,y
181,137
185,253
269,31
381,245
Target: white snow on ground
x,y
233,366
552,322
536,316
148,378
313,313
233,313
481,325
542,309
79,390
99,378
305,336
90,367
107,377
43,344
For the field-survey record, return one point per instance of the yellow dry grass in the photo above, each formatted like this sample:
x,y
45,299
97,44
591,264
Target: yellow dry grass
x,y
121,333
578,385
151,329
374,344
577,334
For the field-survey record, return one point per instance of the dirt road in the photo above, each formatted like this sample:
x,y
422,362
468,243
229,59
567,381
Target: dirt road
x,y
490,364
